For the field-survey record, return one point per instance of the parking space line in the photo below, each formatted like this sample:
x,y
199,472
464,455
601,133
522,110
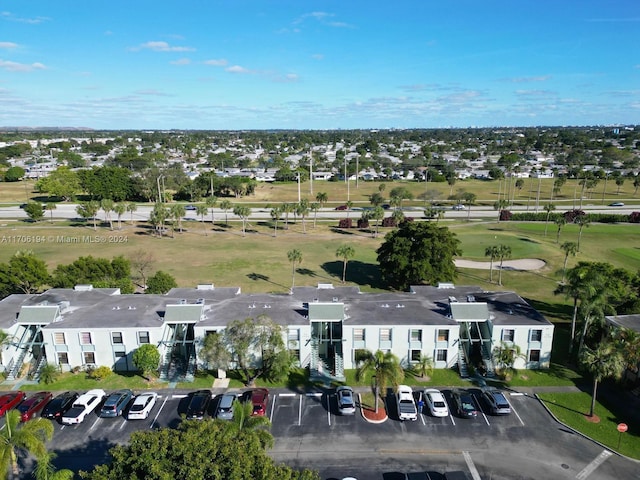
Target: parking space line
x,y
516,412
300,411
273,408
451,417
124,422
179,396
595,463
95,423
472,467
481,410
153,422
286,394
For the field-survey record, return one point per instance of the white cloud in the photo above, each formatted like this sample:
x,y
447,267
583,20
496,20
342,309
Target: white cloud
x,y
8,45
541,78
323,18
20,67
219,62
318,56
12,18
238,69
160,46
152,92
181,61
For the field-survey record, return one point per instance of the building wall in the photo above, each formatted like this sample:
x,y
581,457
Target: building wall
x,y
535,343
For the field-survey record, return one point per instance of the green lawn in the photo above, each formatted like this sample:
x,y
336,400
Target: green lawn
x,y
571,409
80,382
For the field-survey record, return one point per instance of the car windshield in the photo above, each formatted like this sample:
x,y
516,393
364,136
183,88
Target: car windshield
x,y
136,407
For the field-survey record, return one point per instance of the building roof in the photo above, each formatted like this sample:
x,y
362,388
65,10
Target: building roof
x,y
632,322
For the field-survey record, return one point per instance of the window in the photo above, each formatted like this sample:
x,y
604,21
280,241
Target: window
x,y
536,335
85,338
143,337
120,354
508,335
385,334
441,355
294,334
358,334
63,358
534,355
443,335
58,338
415,356
89,358
116,338
416,335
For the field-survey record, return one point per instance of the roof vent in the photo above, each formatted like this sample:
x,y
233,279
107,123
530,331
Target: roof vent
x,y
471,298
205,286
399,305
83,288
325,286
335,299
442,285
183,301
131,307
266,305
453,299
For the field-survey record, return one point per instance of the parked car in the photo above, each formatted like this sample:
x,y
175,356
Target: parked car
x,y
259,399
465,406
10,400
34,404
498,403
407,409
142,406
198,405
83,406
59,405
116,403
436,403
346,401
225,406
341,207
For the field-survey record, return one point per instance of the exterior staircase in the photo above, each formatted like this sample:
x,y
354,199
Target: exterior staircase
x,y
462,362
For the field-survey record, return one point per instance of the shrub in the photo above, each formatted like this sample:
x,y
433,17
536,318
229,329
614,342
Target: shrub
x,y
345,223
388,222
634,217
505,215
363,223
99,373
570,215
48,373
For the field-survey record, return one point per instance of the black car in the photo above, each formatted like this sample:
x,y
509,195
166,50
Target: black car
x,y
198,405
465,406
59,405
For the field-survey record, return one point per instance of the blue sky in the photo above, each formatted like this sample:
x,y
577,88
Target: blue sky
x,y
249,64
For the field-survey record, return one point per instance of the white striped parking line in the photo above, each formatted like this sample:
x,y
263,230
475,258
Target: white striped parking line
x,y
95,423
319,395
471,466
595,463
516,412
480,408
158,414
273,409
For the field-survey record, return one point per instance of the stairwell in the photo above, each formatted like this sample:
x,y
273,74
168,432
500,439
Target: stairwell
x,y
462,362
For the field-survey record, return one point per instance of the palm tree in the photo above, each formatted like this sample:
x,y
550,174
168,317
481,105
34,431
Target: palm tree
x,y
314,207
302,209
377,214
89,210
210,202
549,207
244,420
504,251
493,253
605,361
582,221
276,212
505,356
569,248
158,217
243,212
51,207
500,205
322,198
294,256
286,208
384,368
424,367
131,208
226,205
628,342
349,205
176,212
376,199
560,222
202,210
29,436
345,252
45,470
107,205
120,209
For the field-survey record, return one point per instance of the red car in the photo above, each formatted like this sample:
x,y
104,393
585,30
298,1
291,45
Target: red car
x,y
259,399
10,400
34,404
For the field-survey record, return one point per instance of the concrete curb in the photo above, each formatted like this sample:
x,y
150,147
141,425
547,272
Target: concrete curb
x,y
368,420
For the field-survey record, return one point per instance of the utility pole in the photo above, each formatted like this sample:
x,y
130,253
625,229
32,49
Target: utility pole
x,y
298,187
311,172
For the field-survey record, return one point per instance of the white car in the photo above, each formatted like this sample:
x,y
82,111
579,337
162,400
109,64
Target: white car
x,y
407,409
83,406
436,402
142,405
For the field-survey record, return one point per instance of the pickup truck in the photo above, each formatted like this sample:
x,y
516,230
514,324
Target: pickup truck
x,y
83,406
406,404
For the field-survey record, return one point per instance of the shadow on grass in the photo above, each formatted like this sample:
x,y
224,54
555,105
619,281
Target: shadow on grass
x,y
564,407
358,272
556,310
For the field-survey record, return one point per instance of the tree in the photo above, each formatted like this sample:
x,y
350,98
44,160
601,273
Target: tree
x,y
469,198
491,252
295,257
384,368
49,373
120,209
549,207
195,450
210,202
225,206
560,222
146,358
14,174
131,208
499,206
345,252
62,182
377,214
50,207
255,347
243,419
314,207
376,199
424,367
287,208
243,212
160,283
25,273
302,209
142,263
275,213
605,361
322,198
569,248
202,210
176,212
89,210
582,221
29,437
505,356
100,272
34,211
416,253
504,251
45,470
158,217
106,205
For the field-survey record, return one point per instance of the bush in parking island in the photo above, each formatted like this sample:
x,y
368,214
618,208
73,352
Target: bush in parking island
x,y
99,373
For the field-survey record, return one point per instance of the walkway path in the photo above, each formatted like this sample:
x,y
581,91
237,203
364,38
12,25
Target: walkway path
x,y
520,264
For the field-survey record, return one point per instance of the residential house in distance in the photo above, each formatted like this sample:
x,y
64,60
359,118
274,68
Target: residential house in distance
x,y
632,323
324,327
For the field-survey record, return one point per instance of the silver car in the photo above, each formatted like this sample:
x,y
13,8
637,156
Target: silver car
x,y
225,406
496,401
346,400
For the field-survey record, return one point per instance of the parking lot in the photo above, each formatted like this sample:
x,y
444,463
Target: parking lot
x,y
309,432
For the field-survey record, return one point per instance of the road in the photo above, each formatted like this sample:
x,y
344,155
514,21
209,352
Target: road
x,y
526,445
